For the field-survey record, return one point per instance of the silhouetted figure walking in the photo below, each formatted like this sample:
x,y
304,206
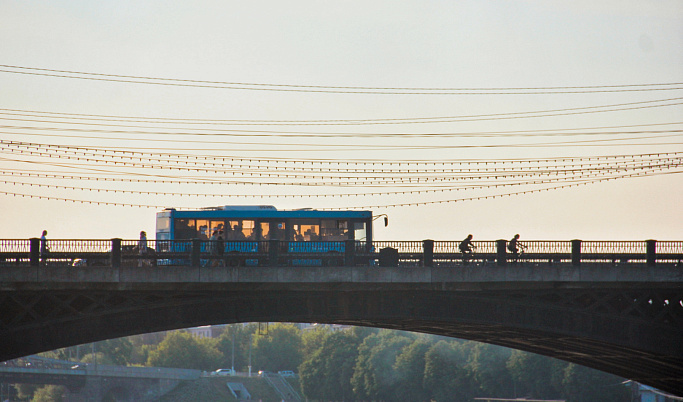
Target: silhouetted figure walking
x,y
44,249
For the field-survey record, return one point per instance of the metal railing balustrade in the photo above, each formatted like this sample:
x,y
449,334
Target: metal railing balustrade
x,y
205,253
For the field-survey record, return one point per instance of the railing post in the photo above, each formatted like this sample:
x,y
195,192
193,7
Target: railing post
x,y
428,253
576,252
501,253
196,252
350,253
651,250
273,252
116,253
35,251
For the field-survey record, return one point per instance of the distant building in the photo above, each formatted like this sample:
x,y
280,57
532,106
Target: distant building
x,y
207,331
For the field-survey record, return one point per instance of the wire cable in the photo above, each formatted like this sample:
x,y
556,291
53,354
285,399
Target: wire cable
x,y
334,89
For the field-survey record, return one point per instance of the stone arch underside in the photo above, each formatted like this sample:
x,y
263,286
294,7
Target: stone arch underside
x,y
633,333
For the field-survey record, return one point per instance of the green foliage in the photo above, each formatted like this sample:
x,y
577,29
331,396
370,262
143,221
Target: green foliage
x,y
410,368
533,374
25,391
312,340
444,374
49,393
280,349
582,384
374,377
489,369
98,358
182,350
326,374
242,336
118,351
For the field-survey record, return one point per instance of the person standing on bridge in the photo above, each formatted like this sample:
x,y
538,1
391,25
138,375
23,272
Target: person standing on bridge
x,y
44,249
142,249
466,247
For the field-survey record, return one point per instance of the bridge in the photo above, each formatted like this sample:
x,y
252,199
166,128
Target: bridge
x,y
613,306
96,382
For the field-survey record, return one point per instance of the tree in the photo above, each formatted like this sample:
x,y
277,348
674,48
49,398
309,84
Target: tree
x,y
49,393
410,368
118,350
533,374
242,335
374,377
488,366
312,340
182,350
280,349
583,384
326,374
444,373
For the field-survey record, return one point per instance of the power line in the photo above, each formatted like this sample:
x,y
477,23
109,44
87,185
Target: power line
x,y
438,119
318,147
420,120
335,89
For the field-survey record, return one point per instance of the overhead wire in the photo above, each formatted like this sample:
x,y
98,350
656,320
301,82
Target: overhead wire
x,y
409,120
14,69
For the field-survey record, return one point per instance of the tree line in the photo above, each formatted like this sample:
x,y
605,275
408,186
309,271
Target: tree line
x,y
365,364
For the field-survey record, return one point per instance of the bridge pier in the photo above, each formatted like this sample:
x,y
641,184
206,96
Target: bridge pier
x,y
651,252
428,250
501,252
576,253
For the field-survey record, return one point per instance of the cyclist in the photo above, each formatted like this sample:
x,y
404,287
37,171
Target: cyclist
x,y
466,248
514,246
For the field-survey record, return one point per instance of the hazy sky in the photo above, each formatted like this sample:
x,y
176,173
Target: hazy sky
x,y
580,56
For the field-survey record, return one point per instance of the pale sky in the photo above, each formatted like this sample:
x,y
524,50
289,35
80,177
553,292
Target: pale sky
x,y
611,71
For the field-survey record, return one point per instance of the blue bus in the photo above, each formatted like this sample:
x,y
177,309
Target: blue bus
x,y
244,228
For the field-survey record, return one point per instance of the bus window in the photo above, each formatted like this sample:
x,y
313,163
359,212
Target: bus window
x,y
203,229
163,223
248,230
273,230
185,229
239,230
334,230
310,229
360,232
215,225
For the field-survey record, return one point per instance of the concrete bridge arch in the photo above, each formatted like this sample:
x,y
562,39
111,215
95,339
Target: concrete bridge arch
x,y
605,320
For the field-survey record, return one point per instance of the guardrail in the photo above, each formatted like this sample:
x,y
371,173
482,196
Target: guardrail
x,y
118,252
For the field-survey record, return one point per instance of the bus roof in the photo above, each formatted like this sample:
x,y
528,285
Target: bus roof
x,y
263,211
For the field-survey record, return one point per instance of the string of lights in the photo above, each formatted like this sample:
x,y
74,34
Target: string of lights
x,y
385,176
127,157
407,204
578,177
122,152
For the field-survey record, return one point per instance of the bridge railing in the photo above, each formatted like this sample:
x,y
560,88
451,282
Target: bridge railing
x,y
118,252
